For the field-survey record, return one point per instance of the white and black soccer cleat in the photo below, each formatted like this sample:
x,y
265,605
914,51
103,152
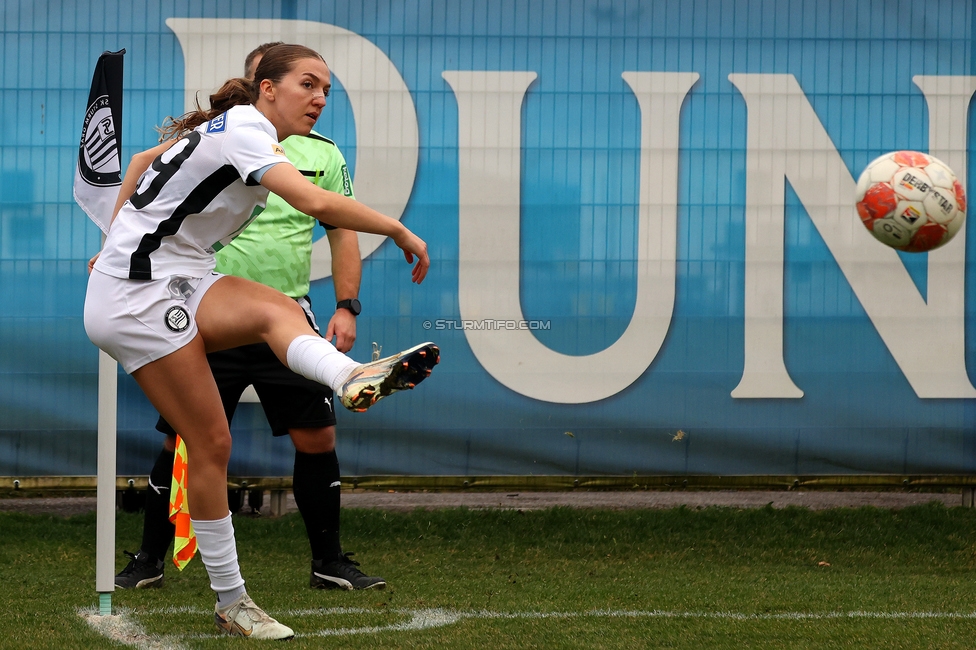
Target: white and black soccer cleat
x,y
371,382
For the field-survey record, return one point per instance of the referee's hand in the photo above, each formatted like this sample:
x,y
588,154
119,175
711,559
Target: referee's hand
x,y
342,328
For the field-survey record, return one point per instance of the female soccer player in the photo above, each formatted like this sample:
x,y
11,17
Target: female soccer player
x,y
155,304
276,250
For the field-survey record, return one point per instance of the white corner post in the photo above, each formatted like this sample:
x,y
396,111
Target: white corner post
x,y
108,381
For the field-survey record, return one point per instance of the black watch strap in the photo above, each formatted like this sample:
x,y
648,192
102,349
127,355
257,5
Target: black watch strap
x,y
351,304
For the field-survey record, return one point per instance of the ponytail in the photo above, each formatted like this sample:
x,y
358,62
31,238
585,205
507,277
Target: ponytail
x,y
276,61
234,92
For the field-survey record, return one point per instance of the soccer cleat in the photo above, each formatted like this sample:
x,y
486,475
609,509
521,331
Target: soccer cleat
x,y
244,618
140,573
371,382
341,573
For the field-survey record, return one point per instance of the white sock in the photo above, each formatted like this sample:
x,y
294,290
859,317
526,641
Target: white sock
x,y
218,550
315,358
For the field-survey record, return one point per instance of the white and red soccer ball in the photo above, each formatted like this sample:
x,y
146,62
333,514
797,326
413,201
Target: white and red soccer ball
x,y
910,201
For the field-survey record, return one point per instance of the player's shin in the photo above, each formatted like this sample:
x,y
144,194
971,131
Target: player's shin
x,y
315,358
218,550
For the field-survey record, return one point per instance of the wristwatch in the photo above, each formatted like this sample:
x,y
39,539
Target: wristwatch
x,y
353,305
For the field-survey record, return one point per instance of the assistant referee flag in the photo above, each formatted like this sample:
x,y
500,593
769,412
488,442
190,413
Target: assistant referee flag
x,y
99,171
184,540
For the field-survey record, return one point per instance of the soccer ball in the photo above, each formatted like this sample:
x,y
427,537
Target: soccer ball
x,y
910,201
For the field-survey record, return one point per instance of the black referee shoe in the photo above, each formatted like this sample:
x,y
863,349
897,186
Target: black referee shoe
x,y
341,573
141,573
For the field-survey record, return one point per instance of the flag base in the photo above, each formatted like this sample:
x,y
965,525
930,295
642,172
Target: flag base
x,y
105,604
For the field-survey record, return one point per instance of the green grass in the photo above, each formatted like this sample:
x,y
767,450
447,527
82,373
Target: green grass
x,y
682,578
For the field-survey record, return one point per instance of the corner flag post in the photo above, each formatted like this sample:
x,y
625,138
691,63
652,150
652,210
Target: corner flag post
x,y
98,176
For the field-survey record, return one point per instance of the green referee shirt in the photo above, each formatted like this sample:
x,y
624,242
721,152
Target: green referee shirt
x,y
276,248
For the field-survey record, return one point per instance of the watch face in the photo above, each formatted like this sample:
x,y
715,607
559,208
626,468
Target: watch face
x,y
352,305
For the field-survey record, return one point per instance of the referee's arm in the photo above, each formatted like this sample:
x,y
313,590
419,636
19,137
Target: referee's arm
x,y
347,268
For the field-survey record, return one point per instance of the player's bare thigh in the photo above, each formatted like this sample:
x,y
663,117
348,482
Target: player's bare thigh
x,y
236,312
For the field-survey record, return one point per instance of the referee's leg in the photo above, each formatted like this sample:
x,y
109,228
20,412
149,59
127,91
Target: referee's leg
x,y
317,490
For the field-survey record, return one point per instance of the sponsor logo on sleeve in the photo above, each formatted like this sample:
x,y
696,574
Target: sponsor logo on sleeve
x,y
346,181
217,124
277,150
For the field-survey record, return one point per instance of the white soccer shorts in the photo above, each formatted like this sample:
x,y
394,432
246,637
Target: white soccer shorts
x,y
138,321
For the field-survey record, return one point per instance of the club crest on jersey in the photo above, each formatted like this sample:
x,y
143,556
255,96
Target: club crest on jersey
x,y
278,150
177,319
217,124
98,158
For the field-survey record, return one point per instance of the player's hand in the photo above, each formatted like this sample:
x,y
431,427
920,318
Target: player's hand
x,y
91,262
342,327
412,245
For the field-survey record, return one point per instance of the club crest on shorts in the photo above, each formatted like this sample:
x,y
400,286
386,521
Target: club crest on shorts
x,y
177,319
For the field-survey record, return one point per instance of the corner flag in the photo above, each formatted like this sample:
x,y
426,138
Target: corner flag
x,y
99,171
98,176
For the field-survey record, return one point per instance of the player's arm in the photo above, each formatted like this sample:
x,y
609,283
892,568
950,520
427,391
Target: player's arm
x,y
138,165
343,212
347,269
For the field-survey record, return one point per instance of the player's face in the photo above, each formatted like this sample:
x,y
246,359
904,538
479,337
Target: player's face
x,y
297,100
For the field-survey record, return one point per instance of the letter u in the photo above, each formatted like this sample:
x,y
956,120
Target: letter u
x,y
489,143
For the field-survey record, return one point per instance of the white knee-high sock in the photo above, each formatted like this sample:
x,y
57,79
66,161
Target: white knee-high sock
x,y
218,550
315,358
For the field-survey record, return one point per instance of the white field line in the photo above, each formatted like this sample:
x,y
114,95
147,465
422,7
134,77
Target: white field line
x,y
600,613
123,627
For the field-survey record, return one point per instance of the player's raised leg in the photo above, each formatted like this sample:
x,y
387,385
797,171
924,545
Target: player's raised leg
x,y
234,309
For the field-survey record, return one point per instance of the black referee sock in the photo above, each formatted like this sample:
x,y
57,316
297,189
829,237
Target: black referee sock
x,y
157,531
316,488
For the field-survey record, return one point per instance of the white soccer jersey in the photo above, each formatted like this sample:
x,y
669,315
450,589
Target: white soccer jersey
x,y
194,199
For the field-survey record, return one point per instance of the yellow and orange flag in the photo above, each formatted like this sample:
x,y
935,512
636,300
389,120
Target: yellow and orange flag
x,y
185,543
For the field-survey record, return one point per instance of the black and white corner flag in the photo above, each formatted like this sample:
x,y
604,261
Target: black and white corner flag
x,y
99,171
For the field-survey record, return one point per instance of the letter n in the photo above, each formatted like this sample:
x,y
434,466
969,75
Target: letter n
x,y
787,141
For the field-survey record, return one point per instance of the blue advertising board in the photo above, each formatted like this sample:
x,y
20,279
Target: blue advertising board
x,y
641,215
